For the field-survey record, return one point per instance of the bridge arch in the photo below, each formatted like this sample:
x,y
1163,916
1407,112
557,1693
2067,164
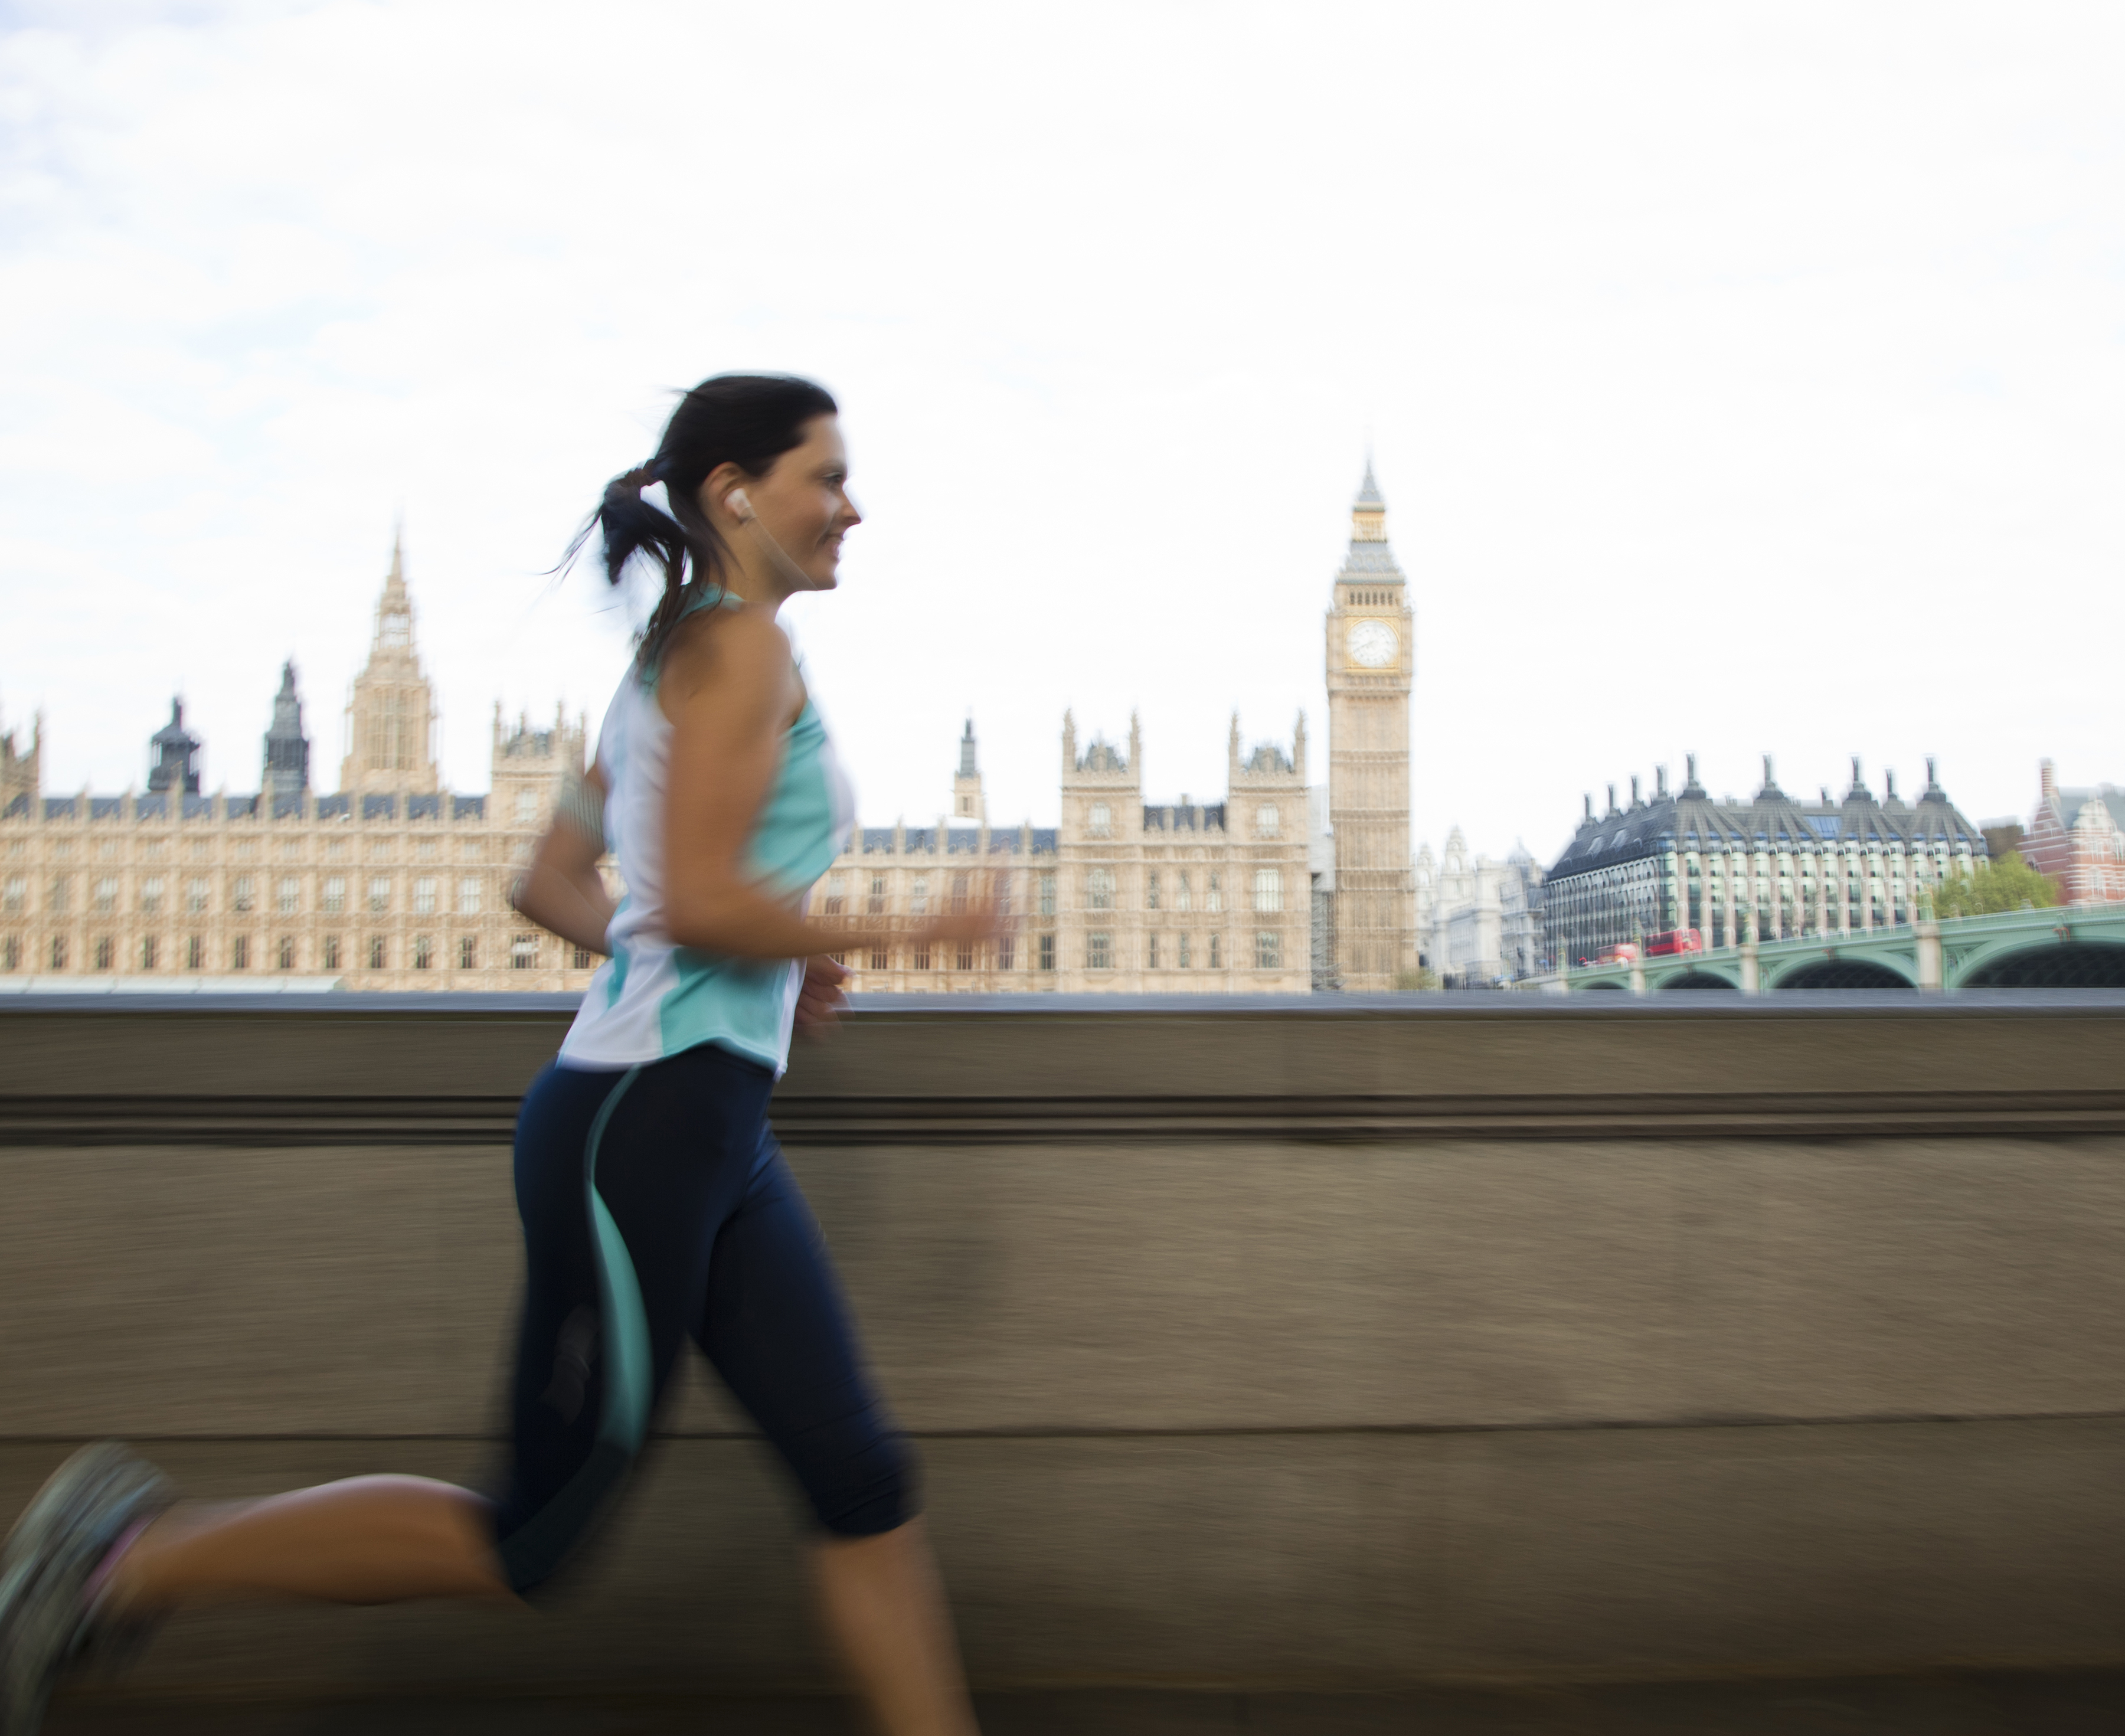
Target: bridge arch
x,y
2049,965
1867,973
1699,976
1610,986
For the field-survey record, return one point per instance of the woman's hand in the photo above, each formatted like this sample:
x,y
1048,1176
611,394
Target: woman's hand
x,y
561,891
820,1001
983,919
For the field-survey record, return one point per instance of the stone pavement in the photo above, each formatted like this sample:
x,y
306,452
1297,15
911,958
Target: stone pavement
x,y
1966,1705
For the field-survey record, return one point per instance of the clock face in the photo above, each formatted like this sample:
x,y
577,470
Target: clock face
x,y
1374,644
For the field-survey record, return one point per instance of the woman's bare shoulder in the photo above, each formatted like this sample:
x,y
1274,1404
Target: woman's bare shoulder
x,y
733,648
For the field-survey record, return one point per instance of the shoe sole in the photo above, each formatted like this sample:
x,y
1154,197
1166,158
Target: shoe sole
x,y
52,1550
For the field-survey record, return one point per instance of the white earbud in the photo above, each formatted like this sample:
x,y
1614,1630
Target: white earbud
x,y
737,502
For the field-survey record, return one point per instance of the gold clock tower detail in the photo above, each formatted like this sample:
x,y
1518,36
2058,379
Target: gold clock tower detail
x,y
1371,659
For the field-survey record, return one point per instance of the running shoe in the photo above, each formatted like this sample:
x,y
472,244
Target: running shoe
x,y
48,1567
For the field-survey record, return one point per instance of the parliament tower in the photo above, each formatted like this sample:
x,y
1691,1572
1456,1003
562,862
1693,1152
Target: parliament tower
x,y
391,713
1371,654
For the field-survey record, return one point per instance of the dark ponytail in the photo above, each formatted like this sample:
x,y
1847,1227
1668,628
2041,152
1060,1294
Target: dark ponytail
x,y
749,420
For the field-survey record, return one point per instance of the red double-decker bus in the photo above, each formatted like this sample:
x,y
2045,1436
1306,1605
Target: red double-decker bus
x,y
1673,942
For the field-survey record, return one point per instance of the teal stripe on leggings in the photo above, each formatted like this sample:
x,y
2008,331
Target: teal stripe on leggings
x,y
537,1548
626,1417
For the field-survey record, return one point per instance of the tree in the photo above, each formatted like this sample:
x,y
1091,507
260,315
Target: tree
x,y
2008,884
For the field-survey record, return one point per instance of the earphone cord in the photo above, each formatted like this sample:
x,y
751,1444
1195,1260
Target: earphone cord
x,y
774,551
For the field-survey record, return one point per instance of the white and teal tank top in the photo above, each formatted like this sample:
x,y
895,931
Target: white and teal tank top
x,y
653,998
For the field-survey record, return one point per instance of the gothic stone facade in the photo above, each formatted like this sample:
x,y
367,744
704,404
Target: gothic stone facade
x,y
1121,896
393,883
1479,922
1248,895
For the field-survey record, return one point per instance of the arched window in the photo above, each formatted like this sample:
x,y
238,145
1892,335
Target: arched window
x,y
1099,890
1265,819
1099,822
1269,889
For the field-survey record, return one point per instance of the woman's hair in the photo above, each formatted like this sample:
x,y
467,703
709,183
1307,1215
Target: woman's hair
x,y
749,420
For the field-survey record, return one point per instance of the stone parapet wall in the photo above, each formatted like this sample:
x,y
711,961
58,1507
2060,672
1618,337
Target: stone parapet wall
x,y
1244,1342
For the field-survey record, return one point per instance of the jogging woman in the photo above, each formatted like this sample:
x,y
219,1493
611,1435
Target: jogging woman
x,y
655,1204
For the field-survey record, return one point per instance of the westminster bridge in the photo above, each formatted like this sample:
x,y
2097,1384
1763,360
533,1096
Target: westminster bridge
x,y
2073,947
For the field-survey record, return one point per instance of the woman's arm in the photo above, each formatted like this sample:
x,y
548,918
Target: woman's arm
x,y
562,890
729,690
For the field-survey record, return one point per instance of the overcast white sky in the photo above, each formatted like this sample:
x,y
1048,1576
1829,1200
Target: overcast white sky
x,y
1741,379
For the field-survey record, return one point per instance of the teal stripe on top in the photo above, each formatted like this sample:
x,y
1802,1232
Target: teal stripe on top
x,y
741,1002
797,834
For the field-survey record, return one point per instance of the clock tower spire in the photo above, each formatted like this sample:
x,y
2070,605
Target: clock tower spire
x,y
1371,661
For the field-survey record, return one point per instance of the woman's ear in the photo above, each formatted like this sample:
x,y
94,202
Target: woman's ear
x,y
724,487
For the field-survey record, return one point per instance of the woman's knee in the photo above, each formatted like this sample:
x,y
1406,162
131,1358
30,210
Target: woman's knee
x,y
872,1488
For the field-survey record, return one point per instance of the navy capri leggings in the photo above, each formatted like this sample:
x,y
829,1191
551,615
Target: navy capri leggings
x,y
656,1206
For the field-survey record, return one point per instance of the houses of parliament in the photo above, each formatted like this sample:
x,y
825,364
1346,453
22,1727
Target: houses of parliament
x,y
394,883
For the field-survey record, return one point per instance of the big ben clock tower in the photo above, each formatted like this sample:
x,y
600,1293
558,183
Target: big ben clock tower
x,y
1371,659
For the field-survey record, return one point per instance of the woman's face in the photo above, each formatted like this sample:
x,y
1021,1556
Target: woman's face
x,y
803,502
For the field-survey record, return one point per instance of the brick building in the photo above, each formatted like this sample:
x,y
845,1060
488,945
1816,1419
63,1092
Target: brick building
x,y
2077,836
